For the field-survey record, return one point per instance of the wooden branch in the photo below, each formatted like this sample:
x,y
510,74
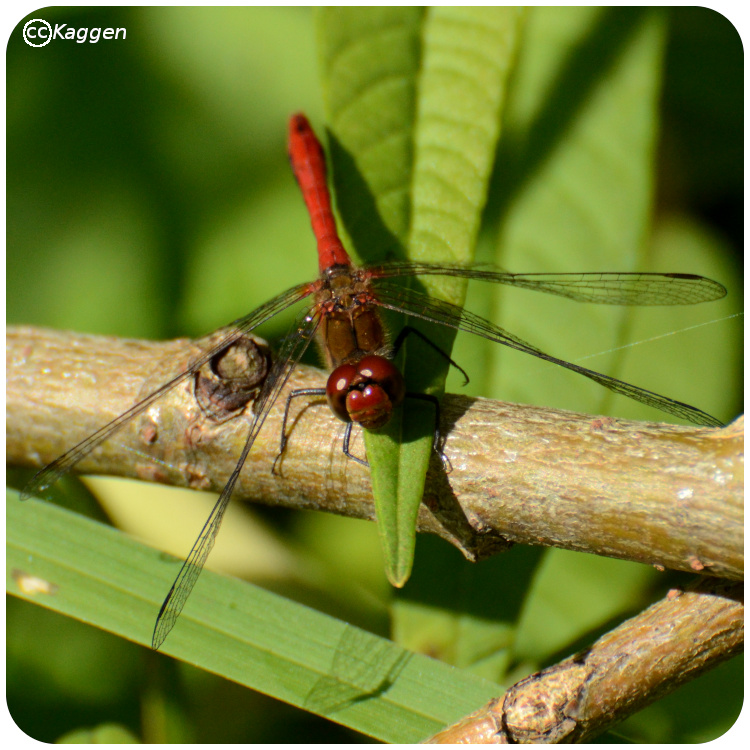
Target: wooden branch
x,y
659,494
670,643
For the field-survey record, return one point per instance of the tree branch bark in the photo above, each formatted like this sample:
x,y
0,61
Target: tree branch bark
x,y
655,493
646,657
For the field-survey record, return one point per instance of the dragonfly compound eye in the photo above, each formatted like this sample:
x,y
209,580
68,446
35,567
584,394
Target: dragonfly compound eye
x,y
376,369
367,392
340,382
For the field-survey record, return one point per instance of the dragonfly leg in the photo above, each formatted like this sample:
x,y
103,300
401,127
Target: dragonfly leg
x,y
345,445
436,437
293,394
406,330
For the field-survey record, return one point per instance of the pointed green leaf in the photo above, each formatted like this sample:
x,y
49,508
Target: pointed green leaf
x,y
466,57
414,104
370,62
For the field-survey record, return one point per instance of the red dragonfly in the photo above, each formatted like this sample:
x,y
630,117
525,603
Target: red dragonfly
x,y
365,386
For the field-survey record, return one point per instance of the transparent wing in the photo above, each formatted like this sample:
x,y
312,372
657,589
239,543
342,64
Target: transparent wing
x,y
420,305
599,288
291,352
52,472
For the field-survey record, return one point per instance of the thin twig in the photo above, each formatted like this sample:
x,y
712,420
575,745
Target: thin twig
x,y
655,493
646,657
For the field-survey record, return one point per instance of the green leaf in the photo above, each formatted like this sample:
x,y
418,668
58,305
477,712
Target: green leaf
x,y
369,65
575,180
466,58
576,175
96,574
414,103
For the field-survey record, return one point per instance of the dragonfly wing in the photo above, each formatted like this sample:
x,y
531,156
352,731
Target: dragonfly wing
x,y
421,306
622,288
599,288
52,472
190,570
291,352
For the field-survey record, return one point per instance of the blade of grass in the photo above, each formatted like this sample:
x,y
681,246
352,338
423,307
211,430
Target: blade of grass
x,y
239,631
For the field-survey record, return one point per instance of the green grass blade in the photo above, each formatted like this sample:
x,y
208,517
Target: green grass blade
x,y
234,629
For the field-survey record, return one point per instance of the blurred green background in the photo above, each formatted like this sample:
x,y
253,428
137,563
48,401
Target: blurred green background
x,y
149,195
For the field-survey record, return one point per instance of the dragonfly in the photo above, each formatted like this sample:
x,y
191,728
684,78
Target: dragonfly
x,y
365,386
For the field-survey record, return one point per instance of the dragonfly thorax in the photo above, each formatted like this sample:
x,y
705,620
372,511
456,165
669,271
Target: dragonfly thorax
x,y
350,326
